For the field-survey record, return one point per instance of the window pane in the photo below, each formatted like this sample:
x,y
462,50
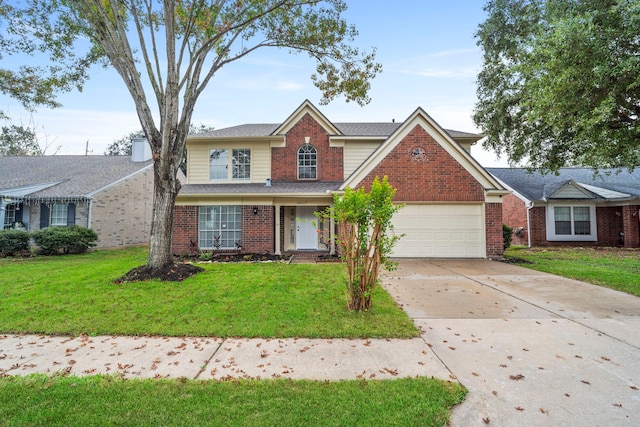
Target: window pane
x,y
562,216
241,163
219,227
58,214
9,215
582,220
218,164
307,162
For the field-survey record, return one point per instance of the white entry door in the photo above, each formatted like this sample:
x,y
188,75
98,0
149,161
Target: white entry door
x,y
306,235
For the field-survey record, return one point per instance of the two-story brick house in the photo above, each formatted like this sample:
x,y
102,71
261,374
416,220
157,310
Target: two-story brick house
x,y
255,187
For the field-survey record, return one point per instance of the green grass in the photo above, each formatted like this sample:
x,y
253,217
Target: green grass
x,y
75,294
105,401
613,268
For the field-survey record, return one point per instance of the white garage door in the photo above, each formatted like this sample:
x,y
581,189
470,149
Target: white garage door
x,y
440,231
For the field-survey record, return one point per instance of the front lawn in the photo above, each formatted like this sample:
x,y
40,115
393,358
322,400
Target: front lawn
x,y
613,268
110,401
75,294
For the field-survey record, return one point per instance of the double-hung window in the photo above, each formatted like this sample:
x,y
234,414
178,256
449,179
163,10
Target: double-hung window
x,y
58,214
9,215
571,223
226,167
219,227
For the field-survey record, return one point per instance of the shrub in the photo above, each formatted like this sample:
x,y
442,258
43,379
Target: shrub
x,y
507,235
58,239
13,242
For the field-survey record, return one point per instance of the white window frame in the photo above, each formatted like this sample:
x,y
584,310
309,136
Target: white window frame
x,y
552,236
224,221
58,214
231,169
308,157
241,164
9,215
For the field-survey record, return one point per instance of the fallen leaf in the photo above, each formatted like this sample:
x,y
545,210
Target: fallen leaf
x,y
619,405
516,377
586,382
519,408
543,411
486,420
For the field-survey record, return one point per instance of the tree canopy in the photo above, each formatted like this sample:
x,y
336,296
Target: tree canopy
x,y
166,53
560,82
44,42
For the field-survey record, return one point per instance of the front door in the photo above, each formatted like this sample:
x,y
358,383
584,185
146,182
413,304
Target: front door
x,y
306,234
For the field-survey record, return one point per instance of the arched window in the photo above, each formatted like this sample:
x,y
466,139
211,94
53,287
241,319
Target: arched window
x,y
307,162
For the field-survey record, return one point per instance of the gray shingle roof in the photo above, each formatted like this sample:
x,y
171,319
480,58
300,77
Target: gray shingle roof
x,y
537,186
322,187
380,129
69,175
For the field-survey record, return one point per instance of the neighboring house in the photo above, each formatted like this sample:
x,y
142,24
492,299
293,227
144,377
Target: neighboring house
x,y
110,194
578,206
255,187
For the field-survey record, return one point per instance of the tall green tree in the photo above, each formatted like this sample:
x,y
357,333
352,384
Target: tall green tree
x,y
18,140
168,51
31,33
560,82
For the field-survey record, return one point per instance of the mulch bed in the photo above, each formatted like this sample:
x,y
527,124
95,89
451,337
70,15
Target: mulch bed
x,y
173,273
515,260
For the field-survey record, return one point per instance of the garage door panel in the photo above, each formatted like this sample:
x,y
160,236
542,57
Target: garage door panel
x,y
440,231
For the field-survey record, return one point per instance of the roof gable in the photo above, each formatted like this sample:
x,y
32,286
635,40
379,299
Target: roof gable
x,y
306,108
571,190
420,118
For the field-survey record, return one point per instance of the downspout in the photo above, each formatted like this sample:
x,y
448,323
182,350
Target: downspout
x,y
89,213
529,225
3,209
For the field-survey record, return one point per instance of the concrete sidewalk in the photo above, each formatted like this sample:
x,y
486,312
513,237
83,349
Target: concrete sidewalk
x,y
211,358
533,349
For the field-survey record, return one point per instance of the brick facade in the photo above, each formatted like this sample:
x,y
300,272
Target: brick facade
x,y
514,214
430,175
630,218
610,222
284,161
493,224
257,230
185,230
121,214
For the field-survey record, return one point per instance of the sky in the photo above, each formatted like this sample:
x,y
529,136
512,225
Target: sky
x,y
426,47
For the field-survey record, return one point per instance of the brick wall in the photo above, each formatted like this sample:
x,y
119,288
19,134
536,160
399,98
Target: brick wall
x,y
430,175
538,224
121,214
185,230
631,226
284,161
514,214
493,224
609,223
258,229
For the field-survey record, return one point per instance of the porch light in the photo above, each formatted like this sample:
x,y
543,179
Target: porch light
x,y
255,210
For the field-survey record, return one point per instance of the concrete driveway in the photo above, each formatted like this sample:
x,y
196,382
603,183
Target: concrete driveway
x,y
533,349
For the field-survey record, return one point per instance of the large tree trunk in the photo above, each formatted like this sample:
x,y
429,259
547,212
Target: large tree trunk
x,y
165,190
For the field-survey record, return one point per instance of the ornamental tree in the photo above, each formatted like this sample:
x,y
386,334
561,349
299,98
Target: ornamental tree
x,y
365,240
